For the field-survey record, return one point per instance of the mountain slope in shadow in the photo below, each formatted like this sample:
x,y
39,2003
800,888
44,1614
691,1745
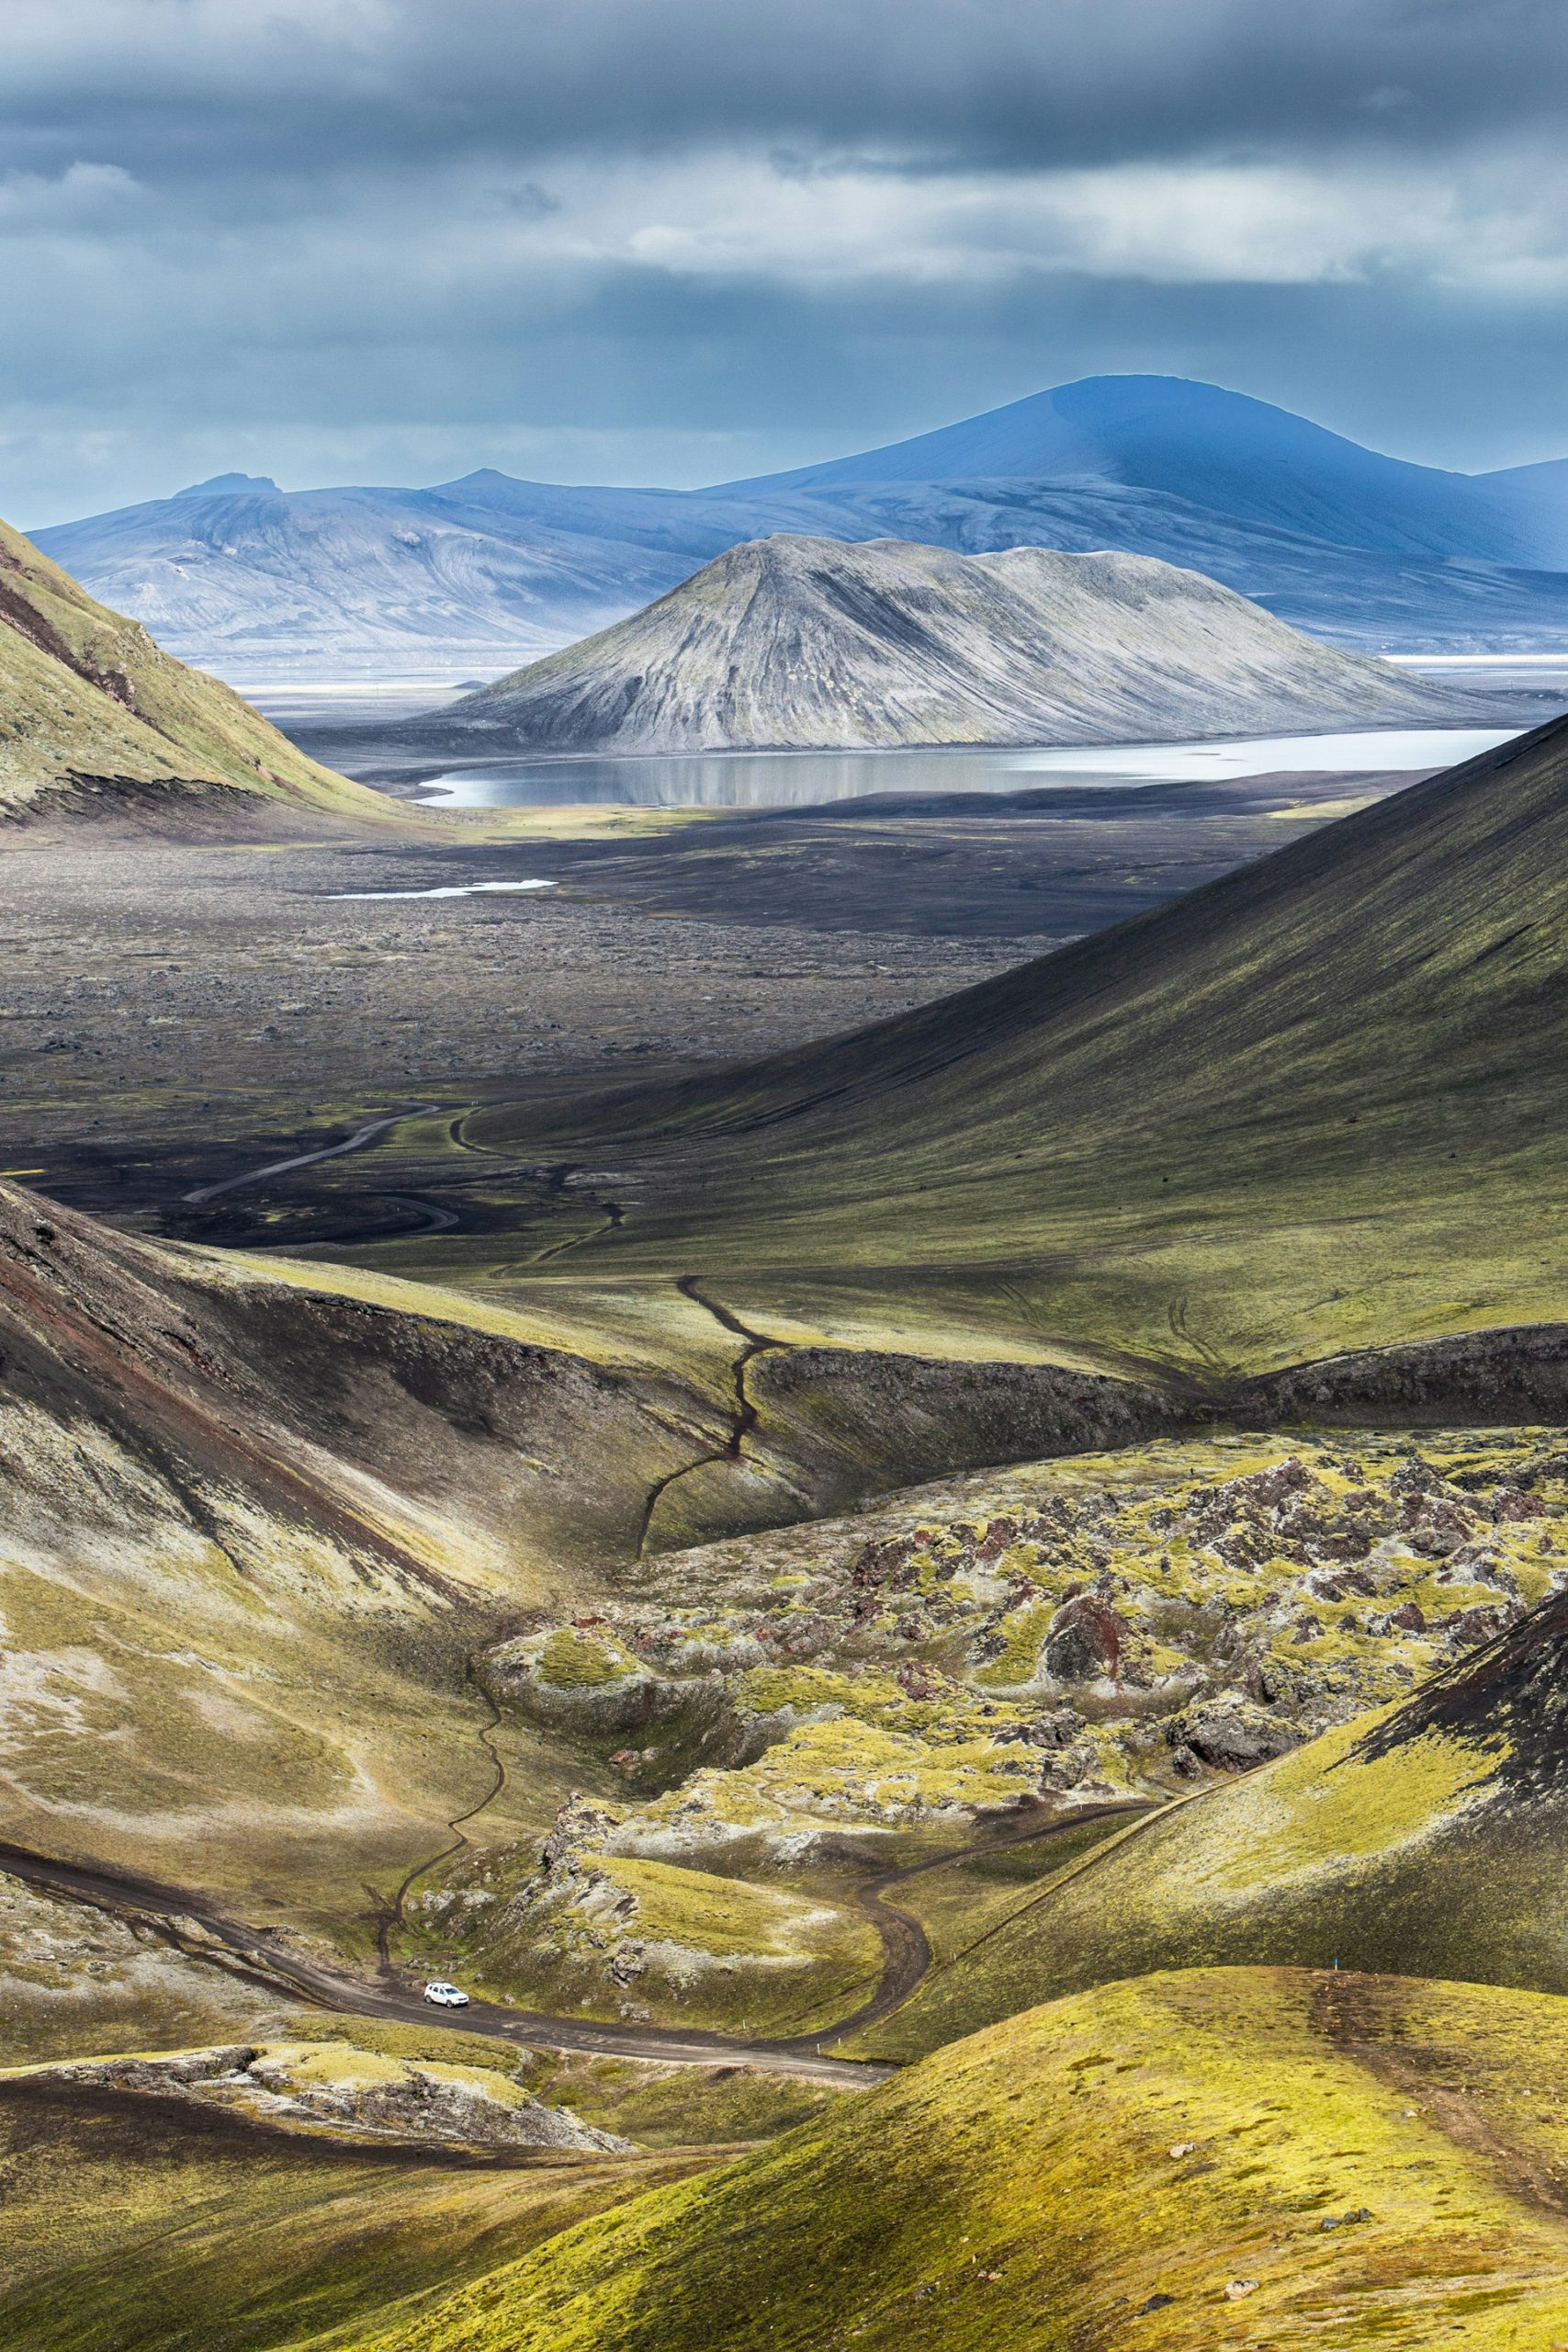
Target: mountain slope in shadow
x,y
1314,1107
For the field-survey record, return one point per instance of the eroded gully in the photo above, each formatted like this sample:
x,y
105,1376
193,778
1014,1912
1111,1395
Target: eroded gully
x,y
743,1414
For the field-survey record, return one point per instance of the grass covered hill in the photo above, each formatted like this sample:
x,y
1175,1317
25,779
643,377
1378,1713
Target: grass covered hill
x,y
1316,1106
136,2221
1222,2158
1195,2162
249,1535
788,641
95,718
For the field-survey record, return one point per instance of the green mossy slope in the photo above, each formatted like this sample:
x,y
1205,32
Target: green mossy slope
x,y
1316,1106
94,715
133,2225
1194,2162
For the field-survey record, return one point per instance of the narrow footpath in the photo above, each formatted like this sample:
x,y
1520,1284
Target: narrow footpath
x,y
388,1914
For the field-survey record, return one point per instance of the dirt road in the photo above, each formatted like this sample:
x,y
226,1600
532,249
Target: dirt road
x,y
188,1921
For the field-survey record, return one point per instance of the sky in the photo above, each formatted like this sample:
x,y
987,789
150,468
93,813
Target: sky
x,y
680,241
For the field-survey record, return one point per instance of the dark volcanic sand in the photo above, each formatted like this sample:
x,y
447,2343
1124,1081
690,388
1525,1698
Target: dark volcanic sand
x,y
175,1013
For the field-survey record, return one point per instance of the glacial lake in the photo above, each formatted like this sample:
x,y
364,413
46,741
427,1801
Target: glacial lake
x,y
355,727
806,779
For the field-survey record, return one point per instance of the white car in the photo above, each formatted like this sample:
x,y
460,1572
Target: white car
x,y
445,1995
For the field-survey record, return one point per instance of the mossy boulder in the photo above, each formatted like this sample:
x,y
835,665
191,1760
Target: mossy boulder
x,y
1232,1734
570,1676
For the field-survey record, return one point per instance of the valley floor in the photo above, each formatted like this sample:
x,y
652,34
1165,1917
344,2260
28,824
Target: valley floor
x,y
175,1015
383,1599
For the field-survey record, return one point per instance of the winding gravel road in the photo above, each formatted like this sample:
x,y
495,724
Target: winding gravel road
x,y
261,1955
188,1921
356,1142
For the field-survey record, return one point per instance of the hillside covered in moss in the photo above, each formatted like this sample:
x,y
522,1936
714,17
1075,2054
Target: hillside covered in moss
x,y
1426,1836
1223,2158
471,1605
97,719
252,1533
1196,2161
145,2218
1311,1108
765,1724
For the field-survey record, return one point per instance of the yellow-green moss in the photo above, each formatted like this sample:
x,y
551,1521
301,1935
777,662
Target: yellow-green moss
x,y
729,1919
847,1770
574,1661
1323,1807
392,2040
133,2226
1100,2172
1022,1634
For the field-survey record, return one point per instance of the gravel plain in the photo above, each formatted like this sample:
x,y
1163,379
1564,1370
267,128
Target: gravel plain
x,y
172,1013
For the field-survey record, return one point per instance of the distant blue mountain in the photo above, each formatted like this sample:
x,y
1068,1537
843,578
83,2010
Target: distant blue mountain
x,y
255,583
226,485
1217,449
486,573
1536,497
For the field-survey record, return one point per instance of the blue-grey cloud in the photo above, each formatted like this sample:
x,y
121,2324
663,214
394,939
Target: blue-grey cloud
x,y
676,239
300,87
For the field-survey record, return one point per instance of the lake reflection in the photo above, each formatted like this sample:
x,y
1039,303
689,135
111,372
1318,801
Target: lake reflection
x,y
805,779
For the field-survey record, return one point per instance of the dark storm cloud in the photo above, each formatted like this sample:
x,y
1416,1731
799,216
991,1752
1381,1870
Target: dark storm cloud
x,y
170,87
676,239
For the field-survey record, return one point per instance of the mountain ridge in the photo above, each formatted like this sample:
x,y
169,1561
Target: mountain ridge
x,y
96,717
486,569
1235,454
790,642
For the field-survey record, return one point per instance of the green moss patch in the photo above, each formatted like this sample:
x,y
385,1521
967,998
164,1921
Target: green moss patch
x,y
144,2226
1225,2158
577,1661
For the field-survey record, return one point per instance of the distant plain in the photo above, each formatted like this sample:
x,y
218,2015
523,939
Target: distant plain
x,y
228,1006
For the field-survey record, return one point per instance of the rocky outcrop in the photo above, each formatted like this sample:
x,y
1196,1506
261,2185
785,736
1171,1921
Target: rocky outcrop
x,y
1232,1734
1199,1607
570,1677
334,2088
1084,1641
1516,1375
